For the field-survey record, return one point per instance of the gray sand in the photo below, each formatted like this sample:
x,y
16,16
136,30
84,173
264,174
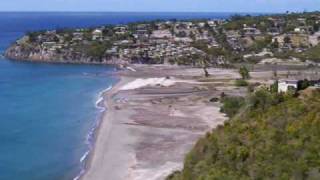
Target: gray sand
x,y
146,132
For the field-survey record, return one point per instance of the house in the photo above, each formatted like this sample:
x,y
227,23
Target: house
x,y
302,21
251,31
77,36
161,34
303,29
120,29
274,31
211,23
201,24
286,85
112,51
141,34
97,35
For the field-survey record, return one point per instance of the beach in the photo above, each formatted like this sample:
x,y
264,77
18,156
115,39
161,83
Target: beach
x,y
149,127
155,115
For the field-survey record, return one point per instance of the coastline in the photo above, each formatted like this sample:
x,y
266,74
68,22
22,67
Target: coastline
x,y
133,140
104,102
91,136
153,117
113,62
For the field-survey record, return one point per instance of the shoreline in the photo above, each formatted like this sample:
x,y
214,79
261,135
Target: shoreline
x,y
60,61
104,98
154,116
91,136
133,139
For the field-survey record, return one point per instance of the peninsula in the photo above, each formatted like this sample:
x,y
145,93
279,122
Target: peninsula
x,y
280,38
202,72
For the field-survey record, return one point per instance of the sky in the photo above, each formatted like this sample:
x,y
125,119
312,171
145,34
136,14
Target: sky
x,y
161,5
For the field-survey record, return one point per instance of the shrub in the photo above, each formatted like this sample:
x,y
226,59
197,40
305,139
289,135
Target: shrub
x,y
231,105
244,72
241,82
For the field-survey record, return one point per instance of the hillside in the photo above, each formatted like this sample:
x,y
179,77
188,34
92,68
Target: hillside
x,y
273,137
206,42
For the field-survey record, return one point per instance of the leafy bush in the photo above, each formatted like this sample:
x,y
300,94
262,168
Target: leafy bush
x,y
231,105
244,72
97,49
312,54
304,84
241,82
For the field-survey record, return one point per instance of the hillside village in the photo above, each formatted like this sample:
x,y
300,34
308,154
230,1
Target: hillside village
x,y
260,39
160,111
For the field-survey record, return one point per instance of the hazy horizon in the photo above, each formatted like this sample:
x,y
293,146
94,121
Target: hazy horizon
x,y
205,6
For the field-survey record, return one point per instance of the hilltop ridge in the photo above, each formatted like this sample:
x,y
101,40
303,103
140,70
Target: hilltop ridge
x,y
280,38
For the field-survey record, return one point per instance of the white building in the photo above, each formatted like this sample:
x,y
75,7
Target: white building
x,y
97,35
285,85
160,34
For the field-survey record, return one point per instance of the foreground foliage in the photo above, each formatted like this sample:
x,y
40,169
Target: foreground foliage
x,y
272,137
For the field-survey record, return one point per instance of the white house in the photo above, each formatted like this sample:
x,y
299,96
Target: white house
x,y
97,34
160,34
285,85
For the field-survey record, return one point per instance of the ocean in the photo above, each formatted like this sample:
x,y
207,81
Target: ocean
x,y
49,111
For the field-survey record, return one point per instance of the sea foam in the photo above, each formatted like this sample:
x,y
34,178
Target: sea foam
x,y
91,135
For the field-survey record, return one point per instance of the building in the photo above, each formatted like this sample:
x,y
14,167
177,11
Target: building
x,y
161,34
251,31
97,35
286,85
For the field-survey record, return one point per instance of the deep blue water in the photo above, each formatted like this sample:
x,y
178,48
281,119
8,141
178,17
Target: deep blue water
x,y
47,110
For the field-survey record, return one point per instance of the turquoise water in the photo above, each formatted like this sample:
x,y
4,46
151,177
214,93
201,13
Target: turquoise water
x,y
48,110
46,113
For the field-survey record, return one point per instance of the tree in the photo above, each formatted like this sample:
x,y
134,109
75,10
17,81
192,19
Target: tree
x,y
304,84
244,72
316,27
287,40
275,43
275,72
204,63
274,87
231,105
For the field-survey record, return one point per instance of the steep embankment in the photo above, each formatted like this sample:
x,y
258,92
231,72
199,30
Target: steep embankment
x,y
32,52
275,137
27,53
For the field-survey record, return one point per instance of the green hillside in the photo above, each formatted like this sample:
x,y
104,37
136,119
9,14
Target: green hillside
x,y
271,137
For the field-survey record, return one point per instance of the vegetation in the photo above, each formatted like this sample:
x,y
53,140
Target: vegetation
x,y
231,105
239,39
98,49
241,82
244,72
273,136
311,54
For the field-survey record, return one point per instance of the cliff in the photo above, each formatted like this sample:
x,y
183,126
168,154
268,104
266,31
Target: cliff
x,y
31,52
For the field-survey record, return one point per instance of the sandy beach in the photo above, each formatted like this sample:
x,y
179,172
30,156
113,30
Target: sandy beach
x,y
155,115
